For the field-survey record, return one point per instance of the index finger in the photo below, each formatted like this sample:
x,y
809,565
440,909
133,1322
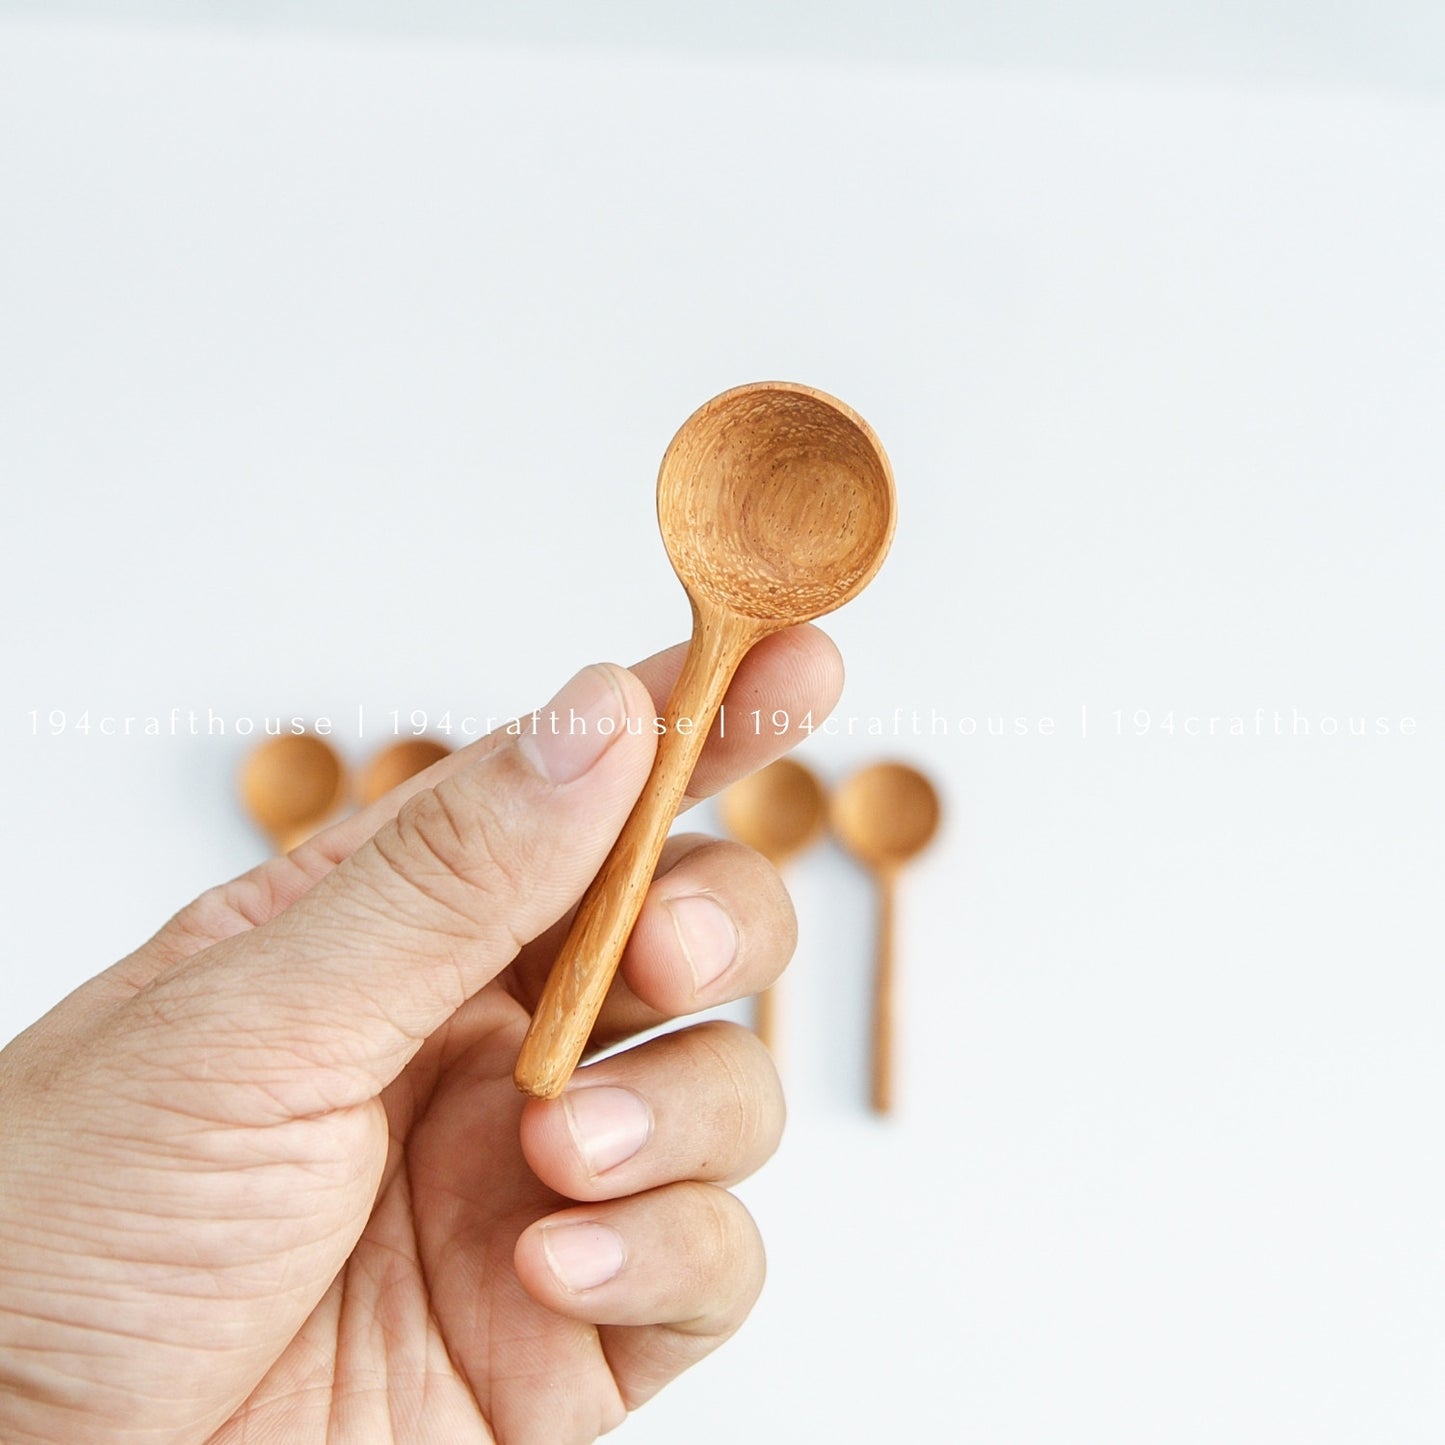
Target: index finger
x,y
786,680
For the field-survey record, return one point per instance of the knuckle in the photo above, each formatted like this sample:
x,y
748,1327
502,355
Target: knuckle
x,y
450,844
219,913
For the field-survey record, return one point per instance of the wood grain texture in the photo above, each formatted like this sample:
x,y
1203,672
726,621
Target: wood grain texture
x,y
585,965
775,502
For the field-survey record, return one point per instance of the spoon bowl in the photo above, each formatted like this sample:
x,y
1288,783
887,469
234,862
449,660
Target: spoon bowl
x,y
775,503
886,814
290,784
777,811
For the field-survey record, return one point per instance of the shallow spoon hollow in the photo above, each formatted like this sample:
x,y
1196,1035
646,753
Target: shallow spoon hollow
x,y
776,505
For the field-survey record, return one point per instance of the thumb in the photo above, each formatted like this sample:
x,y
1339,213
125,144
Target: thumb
x,y
342,987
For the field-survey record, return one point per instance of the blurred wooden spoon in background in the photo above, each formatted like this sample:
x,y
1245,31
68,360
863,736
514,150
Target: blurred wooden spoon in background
x,y
394,764
290,785
884,816
778,812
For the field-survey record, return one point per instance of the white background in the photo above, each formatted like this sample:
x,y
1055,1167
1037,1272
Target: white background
x,y
335,371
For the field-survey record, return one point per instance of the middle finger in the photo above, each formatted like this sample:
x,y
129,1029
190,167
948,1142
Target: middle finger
x,y
703,1104
716,925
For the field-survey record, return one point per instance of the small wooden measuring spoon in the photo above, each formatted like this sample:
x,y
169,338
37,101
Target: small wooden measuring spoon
x,y
885,815
776,505
395,763
290,785
778,812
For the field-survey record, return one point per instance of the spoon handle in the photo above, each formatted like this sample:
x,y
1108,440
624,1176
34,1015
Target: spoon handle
x,y
585,966
883,992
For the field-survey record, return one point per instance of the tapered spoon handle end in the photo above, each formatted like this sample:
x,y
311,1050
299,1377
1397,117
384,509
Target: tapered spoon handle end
x,y
584,968
883,999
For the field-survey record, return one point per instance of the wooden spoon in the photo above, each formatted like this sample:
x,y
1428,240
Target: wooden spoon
x,y
290,785
885,815
778,812
397,762
776,505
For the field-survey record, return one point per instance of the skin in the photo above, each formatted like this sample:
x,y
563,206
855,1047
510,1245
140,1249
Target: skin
x,y
268,1178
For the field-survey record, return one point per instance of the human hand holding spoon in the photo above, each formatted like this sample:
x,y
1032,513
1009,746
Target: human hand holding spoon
x,y
776,505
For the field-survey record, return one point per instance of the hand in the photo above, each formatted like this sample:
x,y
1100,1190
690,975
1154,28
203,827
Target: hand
x,y
269,1179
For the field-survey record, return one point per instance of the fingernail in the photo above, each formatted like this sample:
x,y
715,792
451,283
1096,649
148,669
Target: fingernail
x,y
582,1256
608,1125
565,738
706,934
